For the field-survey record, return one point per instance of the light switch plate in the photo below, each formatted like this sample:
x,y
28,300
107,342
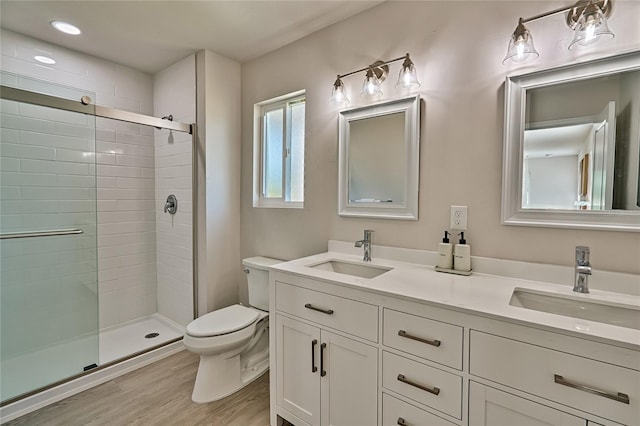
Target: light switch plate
x,y
458,218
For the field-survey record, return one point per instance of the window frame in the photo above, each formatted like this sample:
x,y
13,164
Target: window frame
x,y
260,110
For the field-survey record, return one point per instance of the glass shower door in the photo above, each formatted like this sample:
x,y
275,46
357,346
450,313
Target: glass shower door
x,y
48,250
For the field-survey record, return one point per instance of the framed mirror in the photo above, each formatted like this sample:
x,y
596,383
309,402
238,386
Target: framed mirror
x,y
572,146
379,150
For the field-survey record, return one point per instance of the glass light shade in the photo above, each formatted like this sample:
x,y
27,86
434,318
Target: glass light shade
x,y
339,94
371,85
408,77
521,46
591,27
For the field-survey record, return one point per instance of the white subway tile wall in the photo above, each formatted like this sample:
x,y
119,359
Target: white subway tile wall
x,y
135,167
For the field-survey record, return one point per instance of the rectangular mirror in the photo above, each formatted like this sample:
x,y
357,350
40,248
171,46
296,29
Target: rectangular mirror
x,y
572,146
379,160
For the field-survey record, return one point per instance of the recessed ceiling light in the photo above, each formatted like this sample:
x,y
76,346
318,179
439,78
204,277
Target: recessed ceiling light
x,y
65,27
44,59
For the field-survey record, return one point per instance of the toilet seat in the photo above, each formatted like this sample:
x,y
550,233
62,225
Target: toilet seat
x,y
222,321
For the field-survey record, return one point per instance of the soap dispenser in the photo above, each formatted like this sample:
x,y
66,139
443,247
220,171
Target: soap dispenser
x,y
462,255
445,253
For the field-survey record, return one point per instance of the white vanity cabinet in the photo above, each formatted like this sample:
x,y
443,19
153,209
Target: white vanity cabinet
x,y
362,356
325,377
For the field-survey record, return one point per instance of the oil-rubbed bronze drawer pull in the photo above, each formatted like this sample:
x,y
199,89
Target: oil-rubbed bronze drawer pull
x,y
403,333
620,397
434,390
322,348
401,422
314,342
313,308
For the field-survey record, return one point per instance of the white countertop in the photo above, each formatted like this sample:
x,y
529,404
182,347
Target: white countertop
x,y
479,293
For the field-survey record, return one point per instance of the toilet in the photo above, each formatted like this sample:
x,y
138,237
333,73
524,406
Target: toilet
x,y
233,342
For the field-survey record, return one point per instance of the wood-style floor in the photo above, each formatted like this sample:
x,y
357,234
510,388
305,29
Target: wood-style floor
x,y
158,394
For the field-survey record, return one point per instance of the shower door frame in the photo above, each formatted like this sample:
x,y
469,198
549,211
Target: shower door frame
x,y
84,106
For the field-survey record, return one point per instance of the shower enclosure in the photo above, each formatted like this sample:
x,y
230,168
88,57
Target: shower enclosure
x,y
84,238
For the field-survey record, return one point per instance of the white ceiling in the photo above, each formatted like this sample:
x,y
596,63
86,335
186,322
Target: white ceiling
x,y
150,35
556,141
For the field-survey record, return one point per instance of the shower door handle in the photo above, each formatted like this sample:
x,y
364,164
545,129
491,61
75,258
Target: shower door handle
x,y
31,234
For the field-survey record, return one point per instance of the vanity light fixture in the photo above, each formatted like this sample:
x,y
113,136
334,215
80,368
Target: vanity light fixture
x,y
588,18
65,27
375,74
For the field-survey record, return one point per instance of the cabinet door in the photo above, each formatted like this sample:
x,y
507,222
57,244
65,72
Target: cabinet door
x,y
491,407
349,389
298,369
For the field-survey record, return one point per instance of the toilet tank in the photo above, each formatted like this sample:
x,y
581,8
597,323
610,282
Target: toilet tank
x,y
257,269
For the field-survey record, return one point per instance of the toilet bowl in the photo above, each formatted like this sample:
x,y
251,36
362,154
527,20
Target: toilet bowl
x,y
233,342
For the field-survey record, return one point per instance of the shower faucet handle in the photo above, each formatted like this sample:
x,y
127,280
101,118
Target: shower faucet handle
x,y
171,205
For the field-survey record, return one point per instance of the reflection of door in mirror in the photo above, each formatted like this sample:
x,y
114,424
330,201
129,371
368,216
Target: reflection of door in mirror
x,y
568,164
584,181
603,159
377,159
553,116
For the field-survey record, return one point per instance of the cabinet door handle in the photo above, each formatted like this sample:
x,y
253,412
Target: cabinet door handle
x,y
401,421
403,333
314,342
313,308
620,397
434,390
322,372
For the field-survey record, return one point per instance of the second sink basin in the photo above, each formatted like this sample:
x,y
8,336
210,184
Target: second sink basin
x,y
593,310
353,269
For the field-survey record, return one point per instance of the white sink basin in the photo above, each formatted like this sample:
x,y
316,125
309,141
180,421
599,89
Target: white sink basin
x,y
591,310
354,269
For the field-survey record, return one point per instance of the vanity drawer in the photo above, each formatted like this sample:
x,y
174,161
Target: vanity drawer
x,y
433,340
592,386
350,316
422,383
396,412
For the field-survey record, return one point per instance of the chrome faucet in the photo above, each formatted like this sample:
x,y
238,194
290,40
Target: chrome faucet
x,y
366,245
583,270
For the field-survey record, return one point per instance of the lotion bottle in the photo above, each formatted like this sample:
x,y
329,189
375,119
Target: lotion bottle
x,y
462,255
445,253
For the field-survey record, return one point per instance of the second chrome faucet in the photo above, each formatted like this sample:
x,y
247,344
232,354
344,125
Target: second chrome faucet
x,y
583,270
365,243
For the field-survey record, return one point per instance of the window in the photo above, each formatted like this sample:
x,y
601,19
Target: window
x,y
278,159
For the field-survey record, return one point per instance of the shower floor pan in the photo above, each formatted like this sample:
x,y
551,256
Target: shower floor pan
x,y
34,370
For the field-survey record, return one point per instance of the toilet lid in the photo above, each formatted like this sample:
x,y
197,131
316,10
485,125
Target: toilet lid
x,y
222,321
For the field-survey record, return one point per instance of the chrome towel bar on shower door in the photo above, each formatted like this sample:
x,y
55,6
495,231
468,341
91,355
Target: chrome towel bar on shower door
x,y
9,235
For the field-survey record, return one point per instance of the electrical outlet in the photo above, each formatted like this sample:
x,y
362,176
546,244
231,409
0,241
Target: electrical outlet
x,y
458,218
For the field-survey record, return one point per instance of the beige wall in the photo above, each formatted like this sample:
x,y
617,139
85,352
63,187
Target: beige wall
x,y
174,92
219,265
458,48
